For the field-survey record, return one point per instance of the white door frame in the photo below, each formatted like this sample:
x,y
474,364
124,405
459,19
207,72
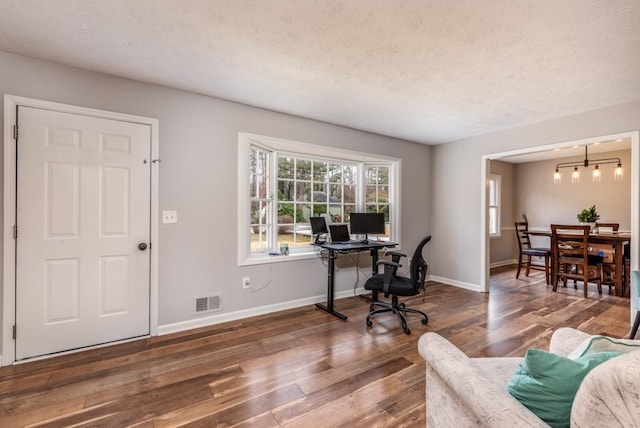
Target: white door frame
x,y
11,103
634,136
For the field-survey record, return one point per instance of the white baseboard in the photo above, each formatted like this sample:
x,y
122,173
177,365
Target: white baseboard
x,y
246,313
503,263
267,309
455,283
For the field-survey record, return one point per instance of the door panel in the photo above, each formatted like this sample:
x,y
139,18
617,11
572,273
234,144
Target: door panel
x,y
83,206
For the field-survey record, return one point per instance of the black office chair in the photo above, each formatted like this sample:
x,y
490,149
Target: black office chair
x,y
389,283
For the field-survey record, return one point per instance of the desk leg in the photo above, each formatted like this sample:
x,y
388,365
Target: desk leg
x,y
374,271
330,284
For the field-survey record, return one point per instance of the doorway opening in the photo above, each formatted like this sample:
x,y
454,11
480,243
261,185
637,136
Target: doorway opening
x,y
552,151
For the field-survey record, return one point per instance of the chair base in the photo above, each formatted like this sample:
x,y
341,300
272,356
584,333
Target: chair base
x,y
398,309
529,266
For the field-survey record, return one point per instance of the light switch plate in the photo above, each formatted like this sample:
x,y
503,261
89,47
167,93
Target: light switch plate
x,y
169,217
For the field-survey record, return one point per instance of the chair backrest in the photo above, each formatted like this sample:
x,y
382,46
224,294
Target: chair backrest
x,y
418,267
613,226
570,243
522,233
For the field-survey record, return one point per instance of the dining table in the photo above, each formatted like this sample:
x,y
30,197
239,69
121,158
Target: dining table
x,y
616,239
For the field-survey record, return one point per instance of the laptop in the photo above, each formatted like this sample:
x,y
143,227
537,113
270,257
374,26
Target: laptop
x,y
340,233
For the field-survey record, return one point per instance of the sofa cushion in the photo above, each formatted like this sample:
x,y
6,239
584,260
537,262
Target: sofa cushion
x,y
546,383
604,344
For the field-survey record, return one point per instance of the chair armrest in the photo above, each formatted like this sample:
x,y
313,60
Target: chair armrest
x,y
490,404
388,263
390,269
395,256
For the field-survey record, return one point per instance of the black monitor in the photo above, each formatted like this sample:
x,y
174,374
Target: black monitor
x,y
318,227
367,223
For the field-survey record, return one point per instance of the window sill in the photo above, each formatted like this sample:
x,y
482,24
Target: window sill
x,y
265,258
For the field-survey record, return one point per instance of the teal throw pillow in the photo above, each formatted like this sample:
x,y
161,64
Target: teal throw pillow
x,y
547,383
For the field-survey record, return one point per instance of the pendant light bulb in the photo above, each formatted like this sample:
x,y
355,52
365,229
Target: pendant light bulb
x,y
596,174
575,176
557,177
619,173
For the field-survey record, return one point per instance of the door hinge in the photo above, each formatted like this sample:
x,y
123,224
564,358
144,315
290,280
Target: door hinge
x,y
14,331
15,231
15,132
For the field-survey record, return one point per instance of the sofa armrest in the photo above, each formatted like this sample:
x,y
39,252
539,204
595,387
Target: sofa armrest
x,y
610,394
565,340
485,403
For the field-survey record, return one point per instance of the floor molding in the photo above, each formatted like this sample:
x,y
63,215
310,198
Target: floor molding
x,y
455,283
292,304
246,313
503,263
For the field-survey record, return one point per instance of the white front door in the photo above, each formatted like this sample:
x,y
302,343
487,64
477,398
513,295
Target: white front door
x,y
83,231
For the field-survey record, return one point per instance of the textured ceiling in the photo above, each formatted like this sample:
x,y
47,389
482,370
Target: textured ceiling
x,y
430,71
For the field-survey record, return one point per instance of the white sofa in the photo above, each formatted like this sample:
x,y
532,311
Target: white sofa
x,y
471,392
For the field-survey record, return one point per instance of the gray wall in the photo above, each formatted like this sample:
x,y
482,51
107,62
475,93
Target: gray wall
x,y
198,178
457,183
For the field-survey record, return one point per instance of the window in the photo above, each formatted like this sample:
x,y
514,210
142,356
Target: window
x,y
308,188
494,204
376,197
283,183
261,201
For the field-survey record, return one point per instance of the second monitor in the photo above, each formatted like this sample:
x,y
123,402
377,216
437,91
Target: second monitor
x,y
318,228
367,223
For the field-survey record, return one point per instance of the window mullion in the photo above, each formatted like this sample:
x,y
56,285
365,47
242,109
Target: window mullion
x,y
360,188
273,197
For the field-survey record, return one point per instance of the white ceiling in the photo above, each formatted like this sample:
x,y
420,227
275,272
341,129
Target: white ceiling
x,y
430,71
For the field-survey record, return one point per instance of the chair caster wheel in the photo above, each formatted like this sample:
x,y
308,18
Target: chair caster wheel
x,y
425,321
369,323
401,306
407,332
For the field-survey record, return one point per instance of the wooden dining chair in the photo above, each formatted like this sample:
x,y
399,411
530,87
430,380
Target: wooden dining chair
x,y
571,258
612,226
608,268
526,252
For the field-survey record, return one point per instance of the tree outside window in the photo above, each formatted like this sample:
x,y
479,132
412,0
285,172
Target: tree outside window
x,y
377,192
309,188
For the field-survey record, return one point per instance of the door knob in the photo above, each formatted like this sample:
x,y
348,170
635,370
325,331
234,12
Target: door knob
x,y
142,246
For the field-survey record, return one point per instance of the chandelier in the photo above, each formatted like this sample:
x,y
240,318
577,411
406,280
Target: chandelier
x,y
596,173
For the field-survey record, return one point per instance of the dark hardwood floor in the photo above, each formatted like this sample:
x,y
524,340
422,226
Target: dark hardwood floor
x,y
298,368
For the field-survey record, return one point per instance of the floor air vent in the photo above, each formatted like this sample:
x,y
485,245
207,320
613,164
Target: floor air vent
x,y
208,304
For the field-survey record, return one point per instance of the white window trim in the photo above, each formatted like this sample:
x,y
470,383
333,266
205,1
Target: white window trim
x,y
498,179
282,146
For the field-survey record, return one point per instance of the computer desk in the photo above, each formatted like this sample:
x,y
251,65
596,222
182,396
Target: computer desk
x,y
337,247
